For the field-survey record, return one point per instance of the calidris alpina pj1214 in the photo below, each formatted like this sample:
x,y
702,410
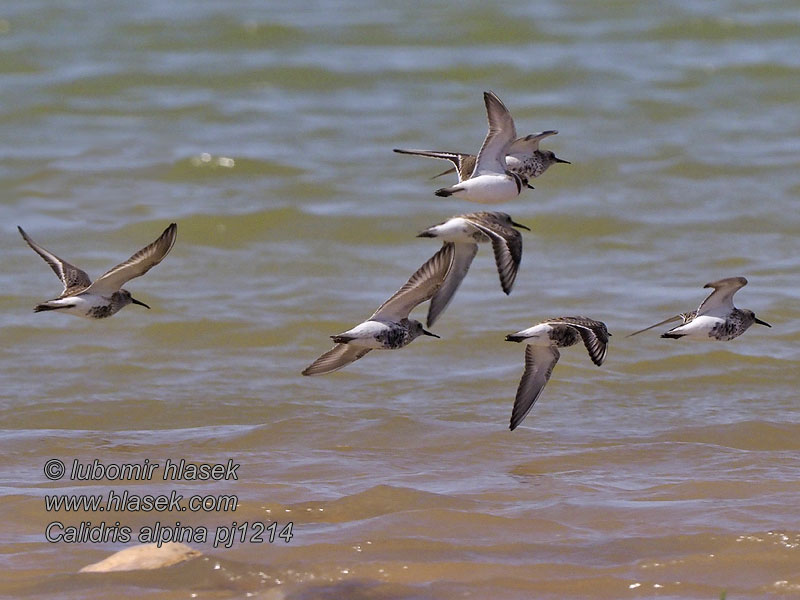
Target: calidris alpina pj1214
x,y
389,327
541,355
716,318
465,232
104,297
523,158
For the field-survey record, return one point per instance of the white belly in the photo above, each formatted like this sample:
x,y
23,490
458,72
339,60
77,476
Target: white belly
x,y
538,335
490,189
459,230
365,334
83,305
699,328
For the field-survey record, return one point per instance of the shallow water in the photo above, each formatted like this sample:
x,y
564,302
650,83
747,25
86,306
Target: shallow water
x,y
266,133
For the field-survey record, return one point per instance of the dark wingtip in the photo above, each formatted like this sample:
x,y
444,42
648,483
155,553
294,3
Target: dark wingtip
x,y
672,336
426,234
514,338
443,193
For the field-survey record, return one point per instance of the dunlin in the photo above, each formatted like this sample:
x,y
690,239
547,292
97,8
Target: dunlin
x,y
523,158
491,181
541,355
716,318
104,297
389,327
465,232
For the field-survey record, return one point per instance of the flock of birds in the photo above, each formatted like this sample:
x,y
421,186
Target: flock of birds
x,y
500,172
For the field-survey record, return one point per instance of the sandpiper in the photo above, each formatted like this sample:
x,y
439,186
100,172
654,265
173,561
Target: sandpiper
x,y
716,318
104,297
389,327
541,355
491,181
523,158
465,232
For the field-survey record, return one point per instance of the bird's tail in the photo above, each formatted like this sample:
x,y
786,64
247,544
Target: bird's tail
x,y
445,192
513,337
48,306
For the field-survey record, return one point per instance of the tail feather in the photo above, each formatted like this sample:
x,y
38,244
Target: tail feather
x,y
444,192
515,338
43,307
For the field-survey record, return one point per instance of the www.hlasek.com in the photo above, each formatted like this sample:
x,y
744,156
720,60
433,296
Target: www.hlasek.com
x,y
254,532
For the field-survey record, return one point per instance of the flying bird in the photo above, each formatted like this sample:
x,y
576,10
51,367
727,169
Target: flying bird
x,y
541,355
105,296
389,327
523,158
716,318
464,233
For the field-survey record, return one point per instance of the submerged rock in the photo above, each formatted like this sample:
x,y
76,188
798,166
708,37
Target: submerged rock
x,y
143,556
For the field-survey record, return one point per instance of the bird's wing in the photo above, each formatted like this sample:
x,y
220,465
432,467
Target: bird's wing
x,y
464,163
137,265
492,156
462,259
530,143
664,322
593,333
421,286
539,363
334,359
507,246
70,275
722,296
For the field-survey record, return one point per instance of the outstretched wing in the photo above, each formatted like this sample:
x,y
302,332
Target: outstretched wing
x,y
594,335
530,143
464,163
334,359
664,322
539,363
421,286
507,246
462,259
722,296
492,156
70,275
137,265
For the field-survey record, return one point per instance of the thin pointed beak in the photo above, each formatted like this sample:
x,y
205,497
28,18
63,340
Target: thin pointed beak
x,y
561,160
760,322
426,332
520,226
135,301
